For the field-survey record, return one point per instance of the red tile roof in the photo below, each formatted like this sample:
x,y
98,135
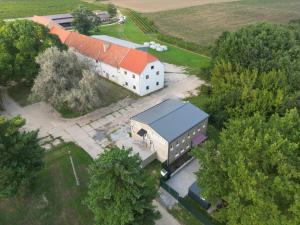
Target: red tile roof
x,y
115,55
136,60
60,32
44,21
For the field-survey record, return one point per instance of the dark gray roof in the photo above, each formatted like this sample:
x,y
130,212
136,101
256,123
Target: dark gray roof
x,y
171,118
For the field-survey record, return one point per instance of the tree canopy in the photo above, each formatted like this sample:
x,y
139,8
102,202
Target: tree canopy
x,y
238,92
20,42
120,192
20,156
85,20
112,10
263,47
255,170
67,80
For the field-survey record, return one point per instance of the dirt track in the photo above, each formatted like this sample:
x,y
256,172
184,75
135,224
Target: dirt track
x,y
162,5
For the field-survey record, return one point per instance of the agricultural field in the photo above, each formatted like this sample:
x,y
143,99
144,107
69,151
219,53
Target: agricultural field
x,y
28,8
159,5
54,198
203,24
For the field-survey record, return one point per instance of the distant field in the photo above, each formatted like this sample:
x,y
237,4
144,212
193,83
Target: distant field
x,y
203,24
27,8
160,5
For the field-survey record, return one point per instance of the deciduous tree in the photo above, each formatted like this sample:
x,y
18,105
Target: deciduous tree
x,y
120,192
255,169
20,156
67,80
85,20
262,47
20,42
238,92
112,10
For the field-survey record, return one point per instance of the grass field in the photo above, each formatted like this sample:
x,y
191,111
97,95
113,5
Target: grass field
x,y
54,198
203,24
28,8
174,55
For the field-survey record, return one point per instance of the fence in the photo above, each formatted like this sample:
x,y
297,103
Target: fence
x,y
201,216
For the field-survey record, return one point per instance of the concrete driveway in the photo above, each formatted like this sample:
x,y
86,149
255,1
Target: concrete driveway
x,y
93,131
184,178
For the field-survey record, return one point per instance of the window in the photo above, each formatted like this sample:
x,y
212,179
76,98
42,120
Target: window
x,y
204,126
134,87
157,73
126,83
183,140
176,156
147,87
171,147
177,143
147,77
199,129
187,147
157,83
133,76
189,135
97,61
194,132
152,67
125,72
182,151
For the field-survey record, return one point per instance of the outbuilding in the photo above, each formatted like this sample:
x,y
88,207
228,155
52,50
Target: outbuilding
x,y
171,128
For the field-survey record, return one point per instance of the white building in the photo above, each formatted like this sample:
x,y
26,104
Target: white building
x,y
134,69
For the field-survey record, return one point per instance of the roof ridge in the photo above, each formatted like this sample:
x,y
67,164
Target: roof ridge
x,y
184,103
128,50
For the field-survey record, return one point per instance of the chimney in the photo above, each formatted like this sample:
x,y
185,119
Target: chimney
x,y
106,46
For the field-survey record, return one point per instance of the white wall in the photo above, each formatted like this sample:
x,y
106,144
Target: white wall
x,y
156,74
153,140
136,83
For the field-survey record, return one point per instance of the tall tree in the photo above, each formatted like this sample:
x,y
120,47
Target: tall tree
x,y
85,20
237,92
67,81
20,42
20,156
255,169
112,10
120,192
263,47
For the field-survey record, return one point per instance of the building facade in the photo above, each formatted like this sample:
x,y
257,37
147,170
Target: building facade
x,y
171,129
133,69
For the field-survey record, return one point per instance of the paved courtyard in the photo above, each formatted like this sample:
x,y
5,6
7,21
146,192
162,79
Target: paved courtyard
x,y
183,179
94,131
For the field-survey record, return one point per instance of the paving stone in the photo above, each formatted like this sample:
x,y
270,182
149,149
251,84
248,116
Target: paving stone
x,y
87,128
56,142
47,146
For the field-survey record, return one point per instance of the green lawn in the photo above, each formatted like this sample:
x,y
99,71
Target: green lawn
x,y
174,55
28,8
54,197
184,216
153,170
